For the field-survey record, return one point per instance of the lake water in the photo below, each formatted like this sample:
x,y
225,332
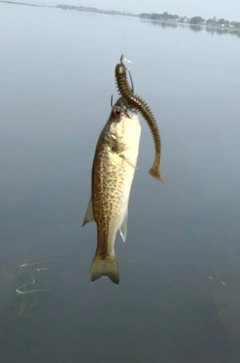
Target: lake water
x,y
179,295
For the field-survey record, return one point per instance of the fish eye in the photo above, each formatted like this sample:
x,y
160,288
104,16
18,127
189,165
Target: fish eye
x,y
116,112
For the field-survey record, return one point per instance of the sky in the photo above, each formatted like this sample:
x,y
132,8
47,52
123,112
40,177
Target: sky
x,y
228,9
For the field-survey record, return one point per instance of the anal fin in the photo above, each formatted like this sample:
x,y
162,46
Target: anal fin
x,y
123,227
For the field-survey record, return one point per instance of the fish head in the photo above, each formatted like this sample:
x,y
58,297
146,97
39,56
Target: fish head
x,y
122,120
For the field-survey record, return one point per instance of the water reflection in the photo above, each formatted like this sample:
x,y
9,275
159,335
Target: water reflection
x,y
196,28
220,31
164,24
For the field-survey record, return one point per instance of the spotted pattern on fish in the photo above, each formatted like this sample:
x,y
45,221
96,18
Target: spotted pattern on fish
x,y
113,170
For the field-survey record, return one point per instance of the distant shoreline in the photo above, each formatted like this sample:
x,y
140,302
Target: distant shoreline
x,y
173,21
72,7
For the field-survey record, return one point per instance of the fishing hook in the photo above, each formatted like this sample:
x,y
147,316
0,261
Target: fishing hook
x,y
112,101
131,80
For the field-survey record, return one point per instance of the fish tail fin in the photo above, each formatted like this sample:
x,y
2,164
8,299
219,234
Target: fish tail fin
x,y
104,267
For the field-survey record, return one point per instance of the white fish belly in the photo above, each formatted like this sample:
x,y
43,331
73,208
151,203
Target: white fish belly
x,y
131,139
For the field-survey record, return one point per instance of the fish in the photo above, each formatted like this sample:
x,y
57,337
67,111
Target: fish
x,y
137,103
113,170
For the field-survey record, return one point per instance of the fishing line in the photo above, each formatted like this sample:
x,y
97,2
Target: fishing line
x,y
123,38
124,21
124,32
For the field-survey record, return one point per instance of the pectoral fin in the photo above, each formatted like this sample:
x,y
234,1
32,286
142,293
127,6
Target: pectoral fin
x,y
127,160
89,213
123,227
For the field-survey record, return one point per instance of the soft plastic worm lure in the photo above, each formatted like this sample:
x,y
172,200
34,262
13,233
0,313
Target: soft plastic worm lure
x,y
136,103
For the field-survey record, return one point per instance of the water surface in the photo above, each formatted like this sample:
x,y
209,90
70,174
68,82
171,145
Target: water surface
x,y
178,298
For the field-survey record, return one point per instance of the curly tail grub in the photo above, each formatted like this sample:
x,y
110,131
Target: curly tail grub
x,y
136,103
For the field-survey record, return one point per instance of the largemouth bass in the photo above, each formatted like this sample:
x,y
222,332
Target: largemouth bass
x,y
113,170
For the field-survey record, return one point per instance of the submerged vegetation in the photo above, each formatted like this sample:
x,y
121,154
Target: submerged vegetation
x,y
34,275
226,301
